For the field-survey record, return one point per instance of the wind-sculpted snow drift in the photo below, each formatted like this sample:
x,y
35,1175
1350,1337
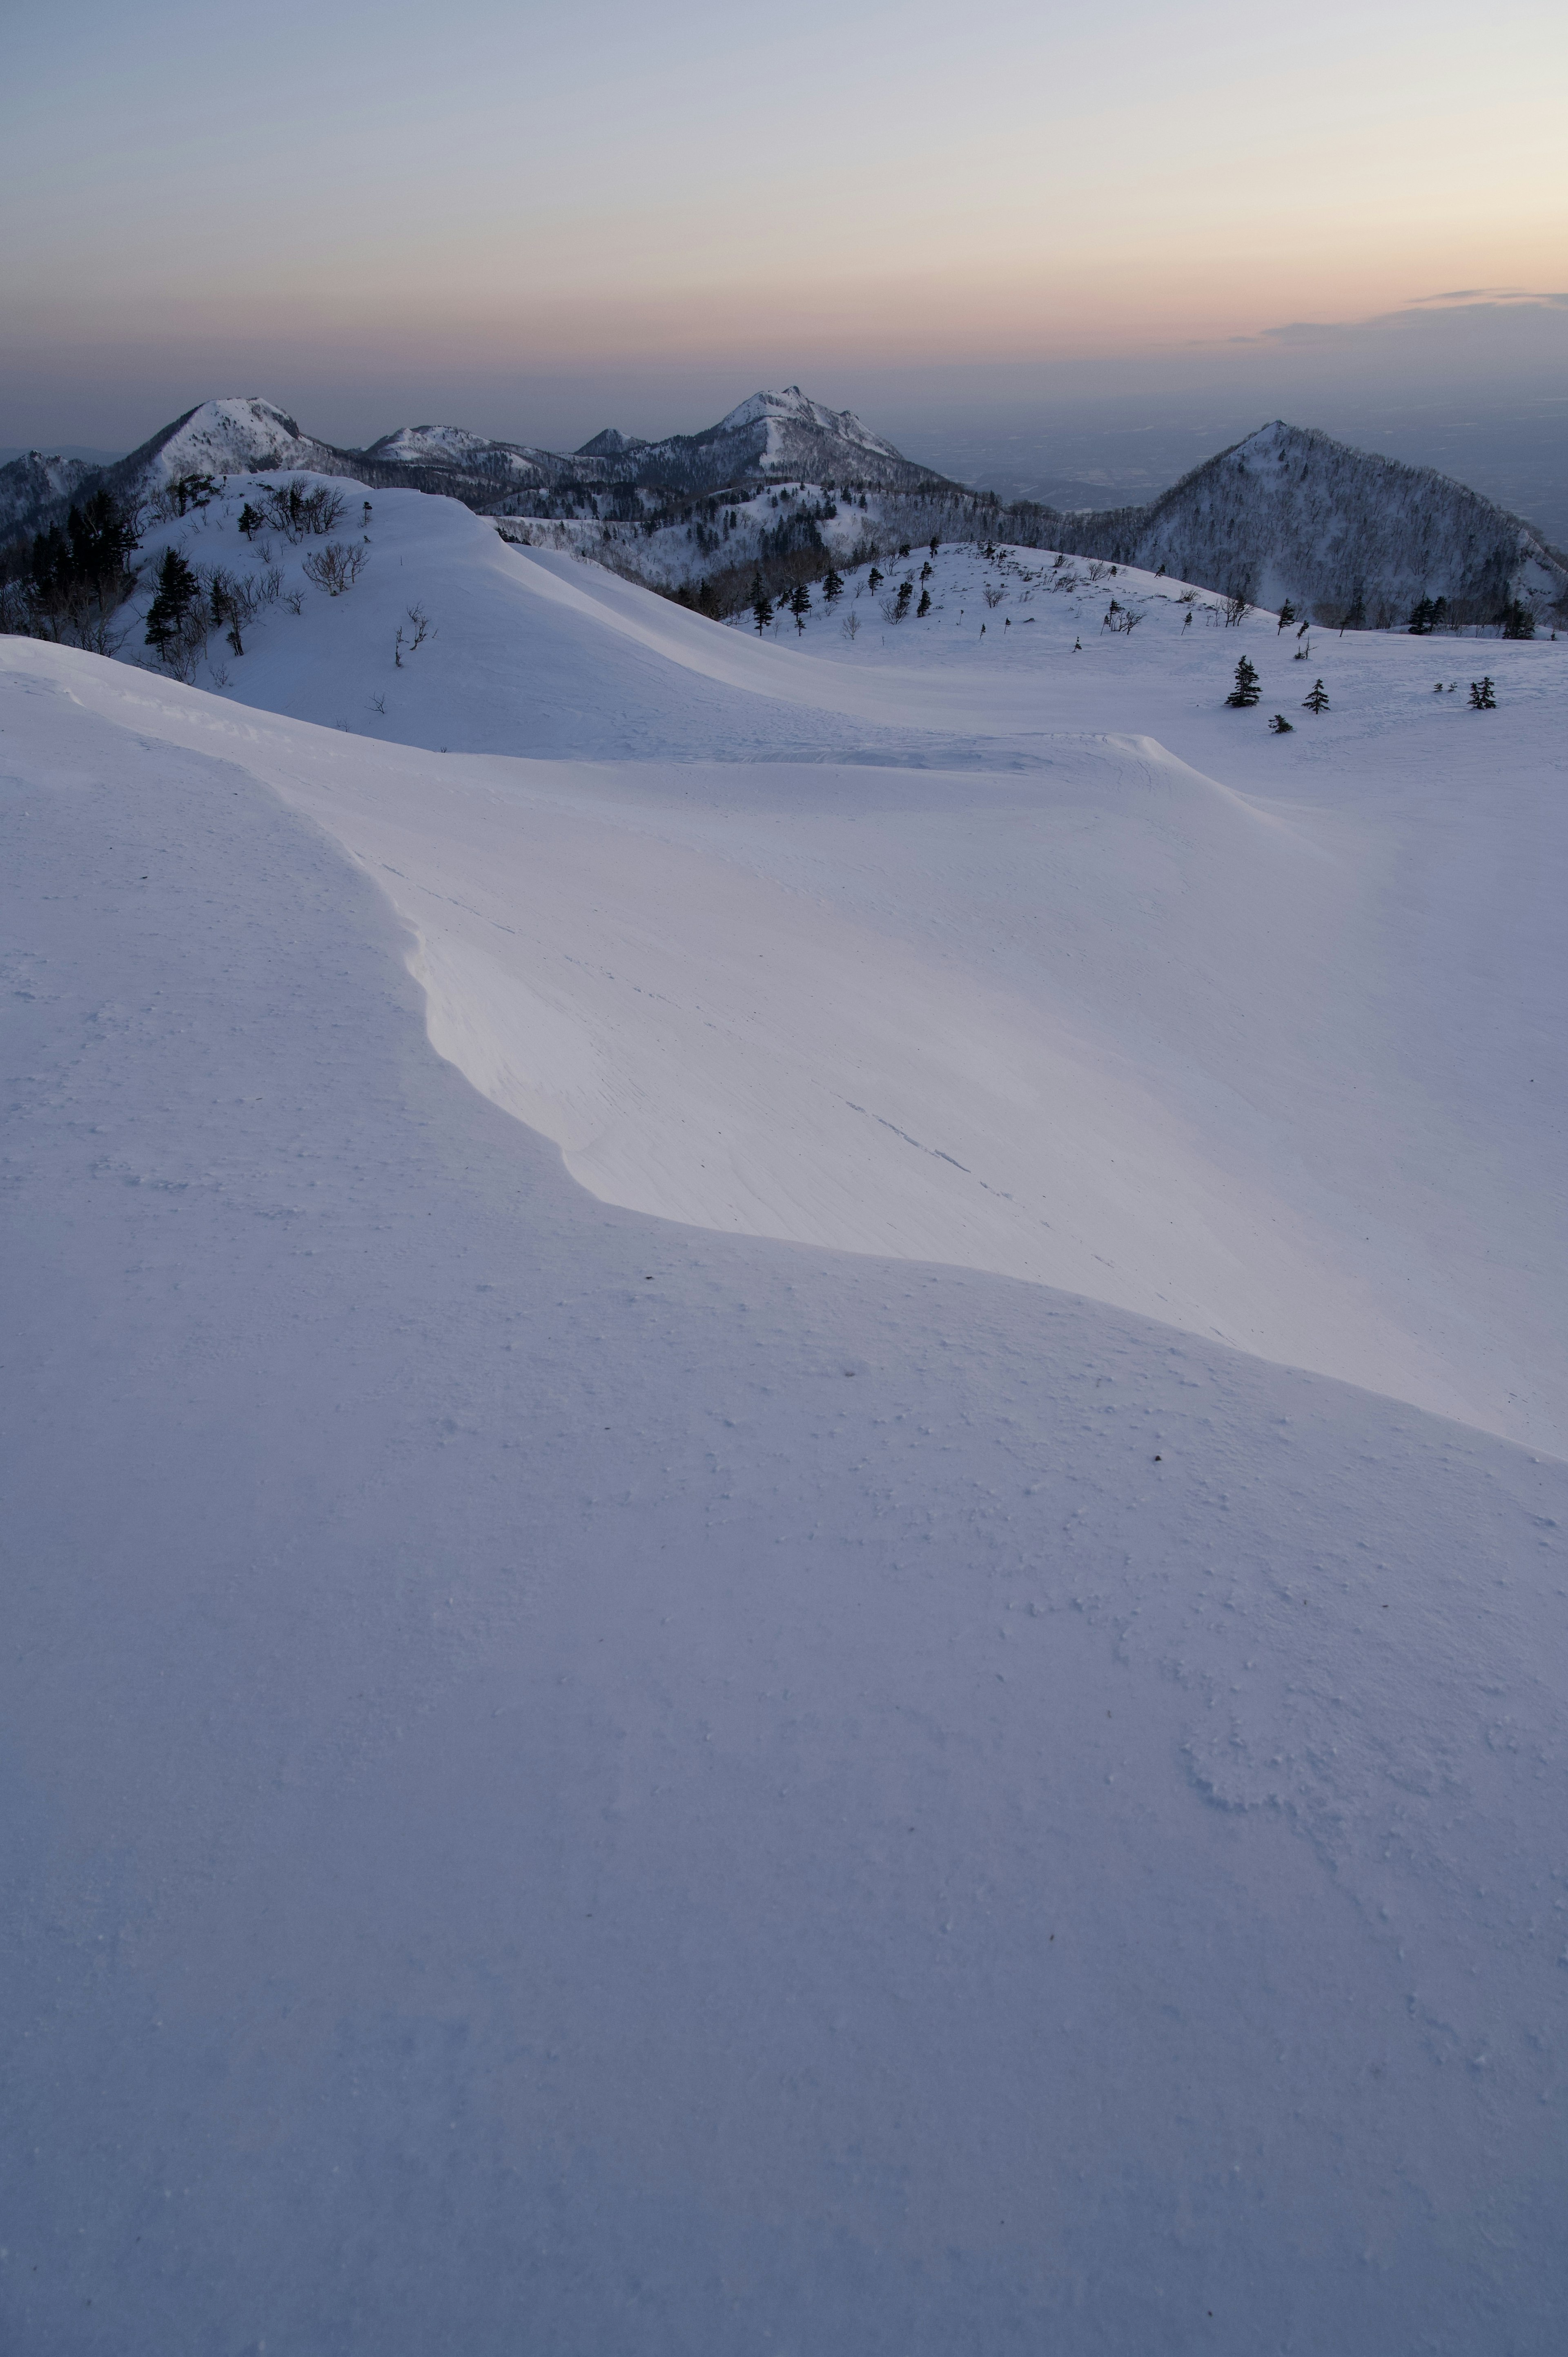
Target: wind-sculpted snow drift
x,y
783,1746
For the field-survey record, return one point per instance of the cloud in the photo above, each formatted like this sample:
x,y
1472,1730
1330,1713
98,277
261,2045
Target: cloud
x,y
1466,301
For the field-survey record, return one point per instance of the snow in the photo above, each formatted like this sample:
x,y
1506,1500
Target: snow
x,y
454,445
28,482
849,1634
792,408
223,437
1289,512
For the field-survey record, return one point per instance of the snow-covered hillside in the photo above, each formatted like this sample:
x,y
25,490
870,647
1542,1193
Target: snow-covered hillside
x,y
1172,1164
454,447
227,438
785,1436
1292,513
33,486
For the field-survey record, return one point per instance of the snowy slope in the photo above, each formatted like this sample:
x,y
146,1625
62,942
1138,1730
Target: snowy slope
x,y
582,1782
1290,512
227,438
1043,962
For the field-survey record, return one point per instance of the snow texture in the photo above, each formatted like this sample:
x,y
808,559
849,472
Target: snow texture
x,y
784,1457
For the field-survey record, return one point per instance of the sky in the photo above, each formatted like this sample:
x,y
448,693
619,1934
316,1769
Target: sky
x,y
536,221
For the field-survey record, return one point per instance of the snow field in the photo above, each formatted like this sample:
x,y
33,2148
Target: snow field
x,y
898,945
577,1779
908,1698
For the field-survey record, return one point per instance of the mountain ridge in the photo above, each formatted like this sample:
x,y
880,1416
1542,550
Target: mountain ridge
x,y
1287,514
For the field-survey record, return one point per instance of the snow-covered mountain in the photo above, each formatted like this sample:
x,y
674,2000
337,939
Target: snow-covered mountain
x,y
238,436
33,487
770,436
1291,514
426,447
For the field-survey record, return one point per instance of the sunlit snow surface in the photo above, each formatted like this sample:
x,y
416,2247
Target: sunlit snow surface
x,y
804,1733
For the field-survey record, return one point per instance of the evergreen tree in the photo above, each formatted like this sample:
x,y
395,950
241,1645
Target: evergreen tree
x,y
1518,620
832,586
1287,614
1422,615
761,606
924,607
1481,696
1245,691
250,519
172,600
874,580
1316,700
1356,620
1280,725
901,603
800,604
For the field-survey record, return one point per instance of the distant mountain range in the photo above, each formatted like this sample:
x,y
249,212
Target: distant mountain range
x,y
1286,513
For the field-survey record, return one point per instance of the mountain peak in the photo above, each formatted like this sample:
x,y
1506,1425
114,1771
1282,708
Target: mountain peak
x,y
610,444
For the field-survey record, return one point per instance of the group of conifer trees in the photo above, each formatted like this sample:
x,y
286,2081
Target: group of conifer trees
x,y
74,577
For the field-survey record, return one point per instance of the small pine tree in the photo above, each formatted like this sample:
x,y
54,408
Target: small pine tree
x,y
1481,696
1316,699
936,542
1279,726
1518,620
172,600
1245,691
901,603
874,580
800,604
1422,615
924,607
761,606
832,586
1287,614
1356,620
250,519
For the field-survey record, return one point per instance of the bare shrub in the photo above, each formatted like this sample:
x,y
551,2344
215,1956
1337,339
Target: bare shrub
x,y
851,626
336,568
994,595
301,513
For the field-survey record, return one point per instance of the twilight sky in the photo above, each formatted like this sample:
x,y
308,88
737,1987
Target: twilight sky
x,y
536,219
